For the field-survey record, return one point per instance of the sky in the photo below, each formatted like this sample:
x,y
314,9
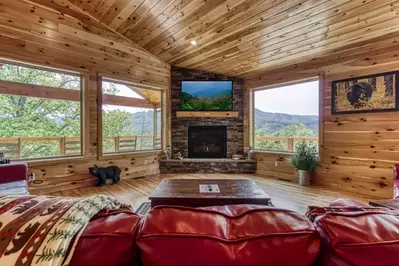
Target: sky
x,y
206,88
299,99
125,91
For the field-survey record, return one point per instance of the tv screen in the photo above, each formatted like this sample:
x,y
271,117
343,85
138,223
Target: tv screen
x,y
207,95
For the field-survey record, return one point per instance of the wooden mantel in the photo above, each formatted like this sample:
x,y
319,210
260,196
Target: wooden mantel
x,y
206,114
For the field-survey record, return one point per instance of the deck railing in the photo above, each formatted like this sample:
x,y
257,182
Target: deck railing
x,y
69,146
291,141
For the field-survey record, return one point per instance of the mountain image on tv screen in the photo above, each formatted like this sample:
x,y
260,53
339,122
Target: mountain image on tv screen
x,y
207,95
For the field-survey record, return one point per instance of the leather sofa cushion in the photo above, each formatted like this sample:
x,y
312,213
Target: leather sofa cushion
x,y
109,240
359,238
13,172
226,235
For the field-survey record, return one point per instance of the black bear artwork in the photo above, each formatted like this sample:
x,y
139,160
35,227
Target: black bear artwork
x,y
102,173
360,93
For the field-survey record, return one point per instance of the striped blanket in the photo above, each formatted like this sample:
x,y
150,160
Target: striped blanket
x,y
43,230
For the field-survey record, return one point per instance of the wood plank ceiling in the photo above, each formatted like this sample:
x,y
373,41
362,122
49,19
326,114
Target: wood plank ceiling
x,y
245,37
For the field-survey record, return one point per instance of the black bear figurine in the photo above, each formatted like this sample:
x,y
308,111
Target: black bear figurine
x,y
102,173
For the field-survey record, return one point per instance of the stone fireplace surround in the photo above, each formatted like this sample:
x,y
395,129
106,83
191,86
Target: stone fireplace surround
x,y
179,130
180,126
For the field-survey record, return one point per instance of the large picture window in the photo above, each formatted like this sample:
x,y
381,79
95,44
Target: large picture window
x,y
40,112
283,116
131,118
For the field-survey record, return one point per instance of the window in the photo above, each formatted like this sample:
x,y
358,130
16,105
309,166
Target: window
x,y
131,118
286,115
40,112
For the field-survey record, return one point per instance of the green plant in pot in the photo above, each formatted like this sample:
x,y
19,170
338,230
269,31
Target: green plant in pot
x,y
305,159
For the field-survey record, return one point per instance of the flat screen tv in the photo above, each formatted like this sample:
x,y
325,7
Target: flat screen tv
x,y
207,95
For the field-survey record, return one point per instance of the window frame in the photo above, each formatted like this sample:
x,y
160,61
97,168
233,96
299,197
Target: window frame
x,y
101,154
251,100
83,119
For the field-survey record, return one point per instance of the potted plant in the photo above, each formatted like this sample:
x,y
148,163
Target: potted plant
x,y
305,160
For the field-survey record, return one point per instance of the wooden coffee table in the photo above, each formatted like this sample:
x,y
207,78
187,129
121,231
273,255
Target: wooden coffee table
x,y
186,192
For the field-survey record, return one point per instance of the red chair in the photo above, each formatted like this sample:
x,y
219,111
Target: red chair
x,y
13,179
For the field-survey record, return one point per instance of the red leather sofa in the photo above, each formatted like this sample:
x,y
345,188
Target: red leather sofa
x,y
396,182
241,235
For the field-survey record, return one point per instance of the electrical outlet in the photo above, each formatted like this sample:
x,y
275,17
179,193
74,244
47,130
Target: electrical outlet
x,y
32,177
276,163
145,162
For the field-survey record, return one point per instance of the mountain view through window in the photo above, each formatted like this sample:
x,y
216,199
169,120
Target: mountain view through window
x,y
286,115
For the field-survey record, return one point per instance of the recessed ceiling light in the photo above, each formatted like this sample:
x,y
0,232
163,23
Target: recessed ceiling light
x,y
193,42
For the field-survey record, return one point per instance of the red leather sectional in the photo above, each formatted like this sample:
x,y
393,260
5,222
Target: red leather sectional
x,y
240,235
227,235
396,182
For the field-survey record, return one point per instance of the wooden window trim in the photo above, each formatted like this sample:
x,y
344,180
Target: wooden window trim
x,y
100,96
252,91
52,93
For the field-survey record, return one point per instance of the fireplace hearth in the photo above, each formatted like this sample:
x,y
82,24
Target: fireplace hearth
x,y
207,141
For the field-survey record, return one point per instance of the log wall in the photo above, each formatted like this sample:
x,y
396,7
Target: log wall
x,y
33,34
357,151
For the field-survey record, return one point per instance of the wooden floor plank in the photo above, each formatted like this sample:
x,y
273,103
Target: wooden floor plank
x,y
284,194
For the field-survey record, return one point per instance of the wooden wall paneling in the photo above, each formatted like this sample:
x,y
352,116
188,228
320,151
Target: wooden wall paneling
x,y
359,150
321,116
275,165
74,173
91,45
40,35
91,113
236,37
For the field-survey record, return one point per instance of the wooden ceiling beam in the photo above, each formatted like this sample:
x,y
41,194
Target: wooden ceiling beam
x,y
53,93
38,91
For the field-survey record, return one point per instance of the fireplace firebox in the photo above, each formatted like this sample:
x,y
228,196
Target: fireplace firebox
x,y
207,141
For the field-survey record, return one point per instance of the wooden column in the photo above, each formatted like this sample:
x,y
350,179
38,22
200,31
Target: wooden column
x,y
290,145
62,146
19,149
116,141
154,127
321,115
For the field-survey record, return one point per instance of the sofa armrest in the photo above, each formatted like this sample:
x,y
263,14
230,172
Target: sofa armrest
x,y
13,172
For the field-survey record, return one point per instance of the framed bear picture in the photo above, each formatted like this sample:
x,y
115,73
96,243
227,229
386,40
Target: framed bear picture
x,y
374,93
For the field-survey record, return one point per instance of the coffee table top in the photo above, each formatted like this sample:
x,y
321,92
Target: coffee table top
x,y
189,188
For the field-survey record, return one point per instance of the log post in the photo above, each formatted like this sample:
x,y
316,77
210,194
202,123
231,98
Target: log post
x,y
116,140
62,146
19,149
154,128
290,144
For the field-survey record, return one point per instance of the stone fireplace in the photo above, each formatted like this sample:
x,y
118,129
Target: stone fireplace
x,y
207,142
180,125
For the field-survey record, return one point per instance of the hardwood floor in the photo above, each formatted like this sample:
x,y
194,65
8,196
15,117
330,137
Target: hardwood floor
x,y
284,194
